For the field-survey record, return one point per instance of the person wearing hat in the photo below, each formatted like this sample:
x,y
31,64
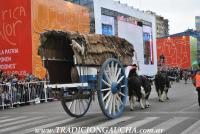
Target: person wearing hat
x,y
133,70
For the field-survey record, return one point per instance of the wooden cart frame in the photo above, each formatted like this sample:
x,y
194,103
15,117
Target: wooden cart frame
x,y
109,82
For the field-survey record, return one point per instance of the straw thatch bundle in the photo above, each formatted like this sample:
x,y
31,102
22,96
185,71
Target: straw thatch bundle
x,y
88,49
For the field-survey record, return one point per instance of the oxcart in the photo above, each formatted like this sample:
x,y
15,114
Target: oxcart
x,y
81,64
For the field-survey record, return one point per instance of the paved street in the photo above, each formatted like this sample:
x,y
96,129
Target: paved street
x,y
179,115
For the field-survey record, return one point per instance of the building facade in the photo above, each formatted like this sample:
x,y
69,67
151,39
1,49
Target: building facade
x,y
197,23
162,25
180,50
139,28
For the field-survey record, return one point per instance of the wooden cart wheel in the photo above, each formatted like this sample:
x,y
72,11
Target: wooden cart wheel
x,y
112,88
76,102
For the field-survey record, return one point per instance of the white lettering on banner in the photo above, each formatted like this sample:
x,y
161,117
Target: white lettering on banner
x,y
9,51
5,59
7,66
10,18
23,72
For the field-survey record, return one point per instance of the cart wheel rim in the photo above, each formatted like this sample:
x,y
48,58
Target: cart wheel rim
x,y
112,90
77,107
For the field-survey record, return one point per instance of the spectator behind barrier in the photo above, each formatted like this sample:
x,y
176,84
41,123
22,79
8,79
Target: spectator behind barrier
x,y
19,88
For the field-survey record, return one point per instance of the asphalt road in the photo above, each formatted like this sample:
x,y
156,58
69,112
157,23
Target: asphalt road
x,y
179,115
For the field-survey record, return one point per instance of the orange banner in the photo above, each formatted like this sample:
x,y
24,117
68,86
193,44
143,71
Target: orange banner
x,y
58,15
176,51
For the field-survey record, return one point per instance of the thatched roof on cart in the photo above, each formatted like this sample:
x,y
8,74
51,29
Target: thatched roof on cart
x,y
89,49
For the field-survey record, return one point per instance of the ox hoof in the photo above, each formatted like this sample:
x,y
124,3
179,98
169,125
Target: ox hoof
x,y
161,100
147,106
142,104
131,109
167,98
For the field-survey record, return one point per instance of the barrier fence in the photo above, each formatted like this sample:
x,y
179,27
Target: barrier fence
x,y
16,94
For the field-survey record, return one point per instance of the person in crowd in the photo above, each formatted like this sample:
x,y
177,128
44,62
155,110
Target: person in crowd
x,y
196,82
19,87
1,72
181,74
185,75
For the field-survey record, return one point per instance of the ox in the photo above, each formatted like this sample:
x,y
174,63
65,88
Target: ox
x,y
139,89
162,84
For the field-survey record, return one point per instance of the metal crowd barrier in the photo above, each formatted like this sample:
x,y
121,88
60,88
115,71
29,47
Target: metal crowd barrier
x,y
4,95
12,94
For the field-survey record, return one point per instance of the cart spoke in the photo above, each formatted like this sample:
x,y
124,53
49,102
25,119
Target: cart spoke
x,y
83,105
106,83
111,103
79,102
123,85
118,73
106,95
70,104
116,65
114,99
121,78
108,101
119,99
122,94
112,69
107,77
87,101
105,89
109,72
117,103
74,110
115,77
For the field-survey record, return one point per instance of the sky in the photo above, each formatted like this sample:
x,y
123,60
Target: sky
x,y
180,13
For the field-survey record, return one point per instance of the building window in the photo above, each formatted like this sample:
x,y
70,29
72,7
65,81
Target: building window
x,y
107,29
148,48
